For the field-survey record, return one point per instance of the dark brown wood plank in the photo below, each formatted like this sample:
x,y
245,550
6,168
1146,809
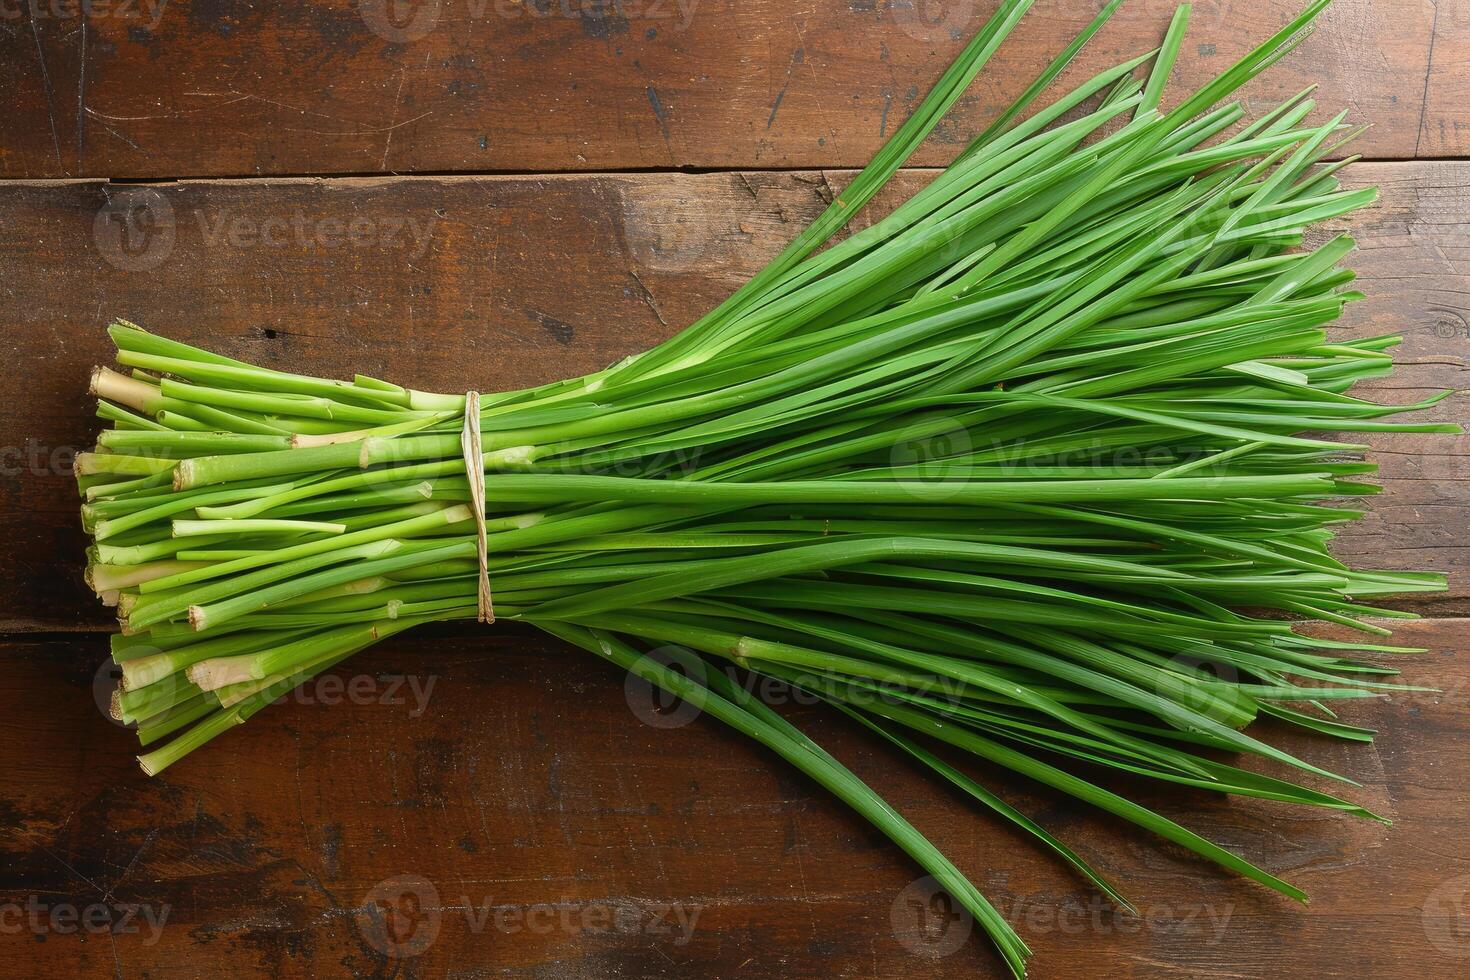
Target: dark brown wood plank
x,y
1448,80
452,283
196,88
550,831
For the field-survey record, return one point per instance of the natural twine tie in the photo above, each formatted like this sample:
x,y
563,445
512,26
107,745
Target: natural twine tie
x,y
474,464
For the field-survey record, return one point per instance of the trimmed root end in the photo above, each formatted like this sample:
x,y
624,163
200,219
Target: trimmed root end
x,y
114,387
144,671
197,617
211,675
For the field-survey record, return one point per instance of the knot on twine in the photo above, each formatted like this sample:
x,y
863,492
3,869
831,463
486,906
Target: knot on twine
x,y
474,465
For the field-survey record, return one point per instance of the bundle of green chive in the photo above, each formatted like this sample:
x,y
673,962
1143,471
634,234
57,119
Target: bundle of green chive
x,y
996,471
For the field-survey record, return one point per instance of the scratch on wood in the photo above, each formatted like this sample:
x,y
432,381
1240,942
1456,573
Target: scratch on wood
x,y
825,192
811,69
46,84
1428,73
797,57
661,115
648,296
81,94
147,841
393,119
776,105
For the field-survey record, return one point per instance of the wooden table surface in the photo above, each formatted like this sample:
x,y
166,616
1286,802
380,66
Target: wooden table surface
x,y
487,193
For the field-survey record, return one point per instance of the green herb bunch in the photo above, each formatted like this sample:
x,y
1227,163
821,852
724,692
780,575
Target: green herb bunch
x,y
999,471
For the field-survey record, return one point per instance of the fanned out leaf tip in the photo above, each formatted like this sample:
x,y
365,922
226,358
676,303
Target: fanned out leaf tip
x,y
1158,79
1001,470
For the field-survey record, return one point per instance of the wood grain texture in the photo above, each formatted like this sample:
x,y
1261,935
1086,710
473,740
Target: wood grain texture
x,y
453,283
485,798
527,821
149,88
